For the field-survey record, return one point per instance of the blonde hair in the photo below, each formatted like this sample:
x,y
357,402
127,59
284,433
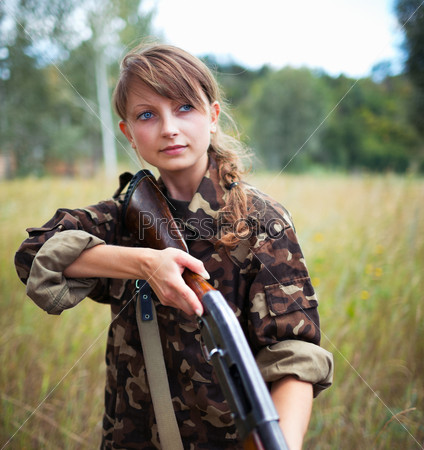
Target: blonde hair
x,y
176,74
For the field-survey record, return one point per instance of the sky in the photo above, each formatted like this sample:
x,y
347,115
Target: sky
x,y
337,36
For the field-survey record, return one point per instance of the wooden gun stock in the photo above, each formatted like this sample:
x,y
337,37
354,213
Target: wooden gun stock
x,y
146,215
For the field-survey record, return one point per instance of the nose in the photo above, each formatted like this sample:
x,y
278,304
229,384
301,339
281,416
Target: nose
x,y
169,126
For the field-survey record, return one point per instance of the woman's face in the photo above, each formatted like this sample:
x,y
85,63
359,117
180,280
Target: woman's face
x,y
172,136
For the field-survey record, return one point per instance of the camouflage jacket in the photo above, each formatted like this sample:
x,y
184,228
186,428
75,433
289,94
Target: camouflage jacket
x,y
264,280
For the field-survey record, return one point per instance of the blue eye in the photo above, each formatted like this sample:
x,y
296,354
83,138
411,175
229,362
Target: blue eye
x,y
145,115
186,108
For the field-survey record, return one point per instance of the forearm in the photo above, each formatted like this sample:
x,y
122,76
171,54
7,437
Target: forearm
x,y
161,268
293,401
110,261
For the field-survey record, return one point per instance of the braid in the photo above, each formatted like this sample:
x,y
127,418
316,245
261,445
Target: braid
x,y
230,156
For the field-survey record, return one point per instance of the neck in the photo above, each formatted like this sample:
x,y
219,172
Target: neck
x,y
182,186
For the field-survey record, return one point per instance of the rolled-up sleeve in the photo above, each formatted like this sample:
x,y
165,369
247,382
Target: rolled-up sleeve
x,y
47,286
48,250
303,360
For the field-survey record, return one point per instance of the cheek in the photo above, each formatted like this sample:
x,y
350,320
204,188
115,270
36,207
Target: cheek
x,y
203,132
142,138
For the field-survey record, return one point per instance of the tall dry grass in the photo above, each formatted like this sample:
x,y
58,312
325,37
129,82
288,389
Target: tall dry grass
x,y
363,240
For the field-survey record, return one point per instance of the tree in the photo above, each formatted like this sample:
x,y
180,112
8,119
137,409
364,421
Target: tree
x,y
370,127
108,20
23,85
56,60
410,15
287,109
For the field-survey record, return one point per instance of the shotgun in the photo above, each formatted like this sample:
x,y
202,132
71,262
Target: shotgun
x,y
224,343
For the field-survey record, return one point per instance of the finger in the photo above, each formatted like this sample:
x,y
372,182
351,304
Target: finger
x,y
178,295
195,265
193,303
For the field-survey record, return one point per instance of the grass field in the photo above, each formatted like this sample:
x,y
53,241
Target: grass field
x,y
363,237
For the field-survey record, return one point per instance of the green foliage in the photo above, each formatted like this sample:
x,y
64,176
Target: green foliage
x,y
307,119
411,18
286,109
50,113
294,119
370,128
24,107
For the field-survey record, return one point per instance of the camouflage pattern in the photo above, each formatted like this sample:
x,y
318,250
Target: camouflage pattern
x,y
264,280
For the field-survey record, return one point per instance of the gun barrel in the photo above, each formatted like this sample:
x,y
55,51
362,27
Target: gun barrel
x,y
238,374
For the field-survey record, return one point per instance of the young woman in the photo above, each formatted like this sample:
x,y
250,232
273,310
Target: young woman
x,y
240,239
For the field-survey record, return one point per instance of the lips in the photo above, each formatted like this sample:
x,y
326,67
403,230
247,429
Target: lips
x,y
173,149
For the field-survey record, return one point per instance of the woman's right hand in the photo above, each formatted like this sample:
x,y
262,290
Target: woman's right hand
x,y
162,269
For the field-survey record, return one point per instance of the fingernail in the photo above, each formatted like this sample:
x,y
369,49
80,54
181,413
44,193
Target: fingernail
x,y
205,275
198,312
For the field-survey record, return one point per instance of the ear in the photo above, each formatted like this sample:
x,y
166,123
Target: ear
x,y
123,126
215,110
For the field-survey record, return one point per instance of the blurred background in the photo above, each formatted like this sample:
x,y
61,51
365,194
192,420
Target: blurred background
x,y
330,97
343,80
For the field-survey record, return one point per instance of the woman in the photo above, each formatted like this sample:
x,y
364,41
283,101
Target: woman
x,y
241,240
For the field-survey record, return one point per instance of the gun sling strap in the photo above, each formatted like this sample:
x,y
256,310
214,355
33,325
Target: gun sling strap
x,y
170,438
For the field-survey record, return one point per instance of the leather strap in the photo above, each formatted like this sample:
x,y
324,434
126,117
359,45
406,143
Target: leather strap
x,y
169,434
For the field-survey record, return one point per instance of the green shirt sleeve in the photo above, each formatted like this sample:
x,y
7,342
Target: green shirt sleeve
x,y
47,286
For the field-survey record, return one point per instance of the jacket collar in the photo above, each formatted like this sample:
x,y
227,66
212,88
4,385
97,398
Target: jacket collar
x,y
202,213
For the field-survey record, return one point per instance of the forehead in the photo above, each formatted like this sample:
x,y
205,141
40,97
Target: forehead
x,y
140,93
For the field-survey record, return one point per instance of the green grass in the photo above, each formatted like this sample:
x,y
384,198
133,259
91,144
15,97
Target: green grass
x,y
364,243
